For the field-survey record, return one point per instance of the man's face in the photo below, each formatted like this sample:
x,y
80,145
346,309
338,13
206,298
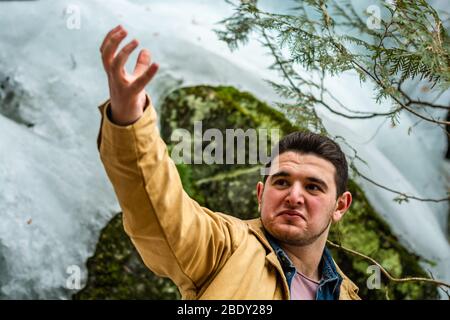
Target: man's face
x,y
298,201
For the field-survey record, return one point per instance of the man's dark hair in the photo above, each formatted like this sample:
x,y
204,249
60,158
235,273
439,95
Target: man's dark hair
x,y
311,143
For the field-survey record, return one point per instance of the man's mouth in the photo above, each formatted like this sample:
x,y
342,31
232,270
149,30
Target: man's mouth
x,y
293,213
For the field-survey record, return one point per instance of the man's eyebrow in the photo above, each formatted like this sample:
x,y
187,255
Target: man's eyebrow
x,y
310,179
279,174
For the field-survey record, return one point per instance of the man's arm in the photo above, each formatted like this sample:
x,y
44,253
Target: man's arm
x,y
174,235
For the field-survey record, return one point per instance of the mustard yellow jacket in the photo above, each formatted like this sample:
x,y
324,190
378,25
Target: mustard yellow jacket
x,y
208,255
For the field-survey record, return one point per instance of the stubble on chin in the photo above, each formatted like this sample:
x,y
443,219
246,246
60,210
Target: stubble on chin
x,y
300,238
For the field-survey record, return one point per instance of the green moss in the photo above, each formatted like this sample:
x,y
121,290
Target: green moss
x,y
233,189
116,271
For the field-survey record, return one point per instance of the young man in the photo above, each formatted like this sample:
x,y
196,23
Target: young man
x,y
210,255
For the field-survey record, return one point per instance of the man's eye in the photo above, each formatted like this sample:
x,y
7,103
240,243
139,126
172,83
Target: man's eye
x,y
313,187
281,182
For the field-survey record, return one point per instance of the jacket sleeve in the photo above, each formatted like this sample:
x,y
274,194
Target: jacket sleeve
x,y
175,236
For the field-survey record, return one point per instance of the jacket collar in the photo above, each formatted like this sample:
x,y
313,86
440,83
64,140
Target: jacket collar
x,y
256,227
348,289
329,275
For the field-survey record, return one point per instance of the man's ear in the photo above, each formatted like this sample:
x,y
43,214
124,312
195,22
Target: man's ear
x,y
259,193
342,204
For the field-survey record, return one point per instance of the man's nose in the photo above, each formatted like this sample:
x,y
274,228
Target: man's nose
x,y
296,195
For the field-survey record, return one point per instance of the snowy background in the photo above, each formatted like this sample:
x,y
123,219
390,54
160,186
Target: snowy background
x,y
54,194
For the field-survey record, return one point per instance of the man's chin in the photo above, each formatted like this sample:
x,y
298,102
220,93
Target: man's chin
x,y
287,232
294,234
292,225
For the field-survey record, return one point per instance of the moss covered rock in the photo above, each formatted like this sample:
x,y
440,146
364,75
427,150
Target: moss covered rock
x,y
364,231
117,272
229,188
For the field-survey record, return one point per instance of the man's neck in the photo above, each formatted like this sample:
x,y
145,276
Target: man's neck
x,y
306,259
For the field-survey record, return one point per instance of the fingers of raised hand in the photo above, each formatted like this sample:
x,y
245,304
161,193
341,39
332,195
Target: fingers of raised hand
x,y
118,64
111,43
142,63
140,83
108,36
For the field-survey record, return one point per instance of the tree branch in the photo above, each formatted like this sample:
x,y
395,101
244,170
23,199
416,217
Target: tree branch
x,y
418,102
296,89
375,78
402,193
387,274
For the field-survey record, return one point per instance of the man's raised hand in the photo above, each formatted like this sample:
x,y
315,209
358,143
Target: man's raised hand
x,y
127,91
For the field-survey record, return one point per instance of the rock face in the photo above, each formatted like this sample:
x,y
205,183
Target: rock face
x,y
116,271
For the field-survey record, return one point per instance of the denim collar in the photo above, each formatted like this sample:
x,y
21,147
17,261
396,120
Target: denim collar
x,y
331,280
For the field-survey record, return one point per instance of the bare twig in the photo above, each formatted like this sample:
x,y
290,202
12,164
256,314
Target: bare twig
x,y
387,274
422,103
369,116
402,193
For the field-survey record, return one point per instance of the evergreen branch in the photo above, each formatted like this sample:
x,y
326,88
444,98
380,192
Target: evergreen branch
x,y
342,49
285,73
294,87
403,106
357,23
412,50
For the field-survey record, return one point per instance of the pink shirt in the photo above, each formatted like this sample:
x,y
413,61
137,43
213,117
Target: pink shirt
x,y
303,288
